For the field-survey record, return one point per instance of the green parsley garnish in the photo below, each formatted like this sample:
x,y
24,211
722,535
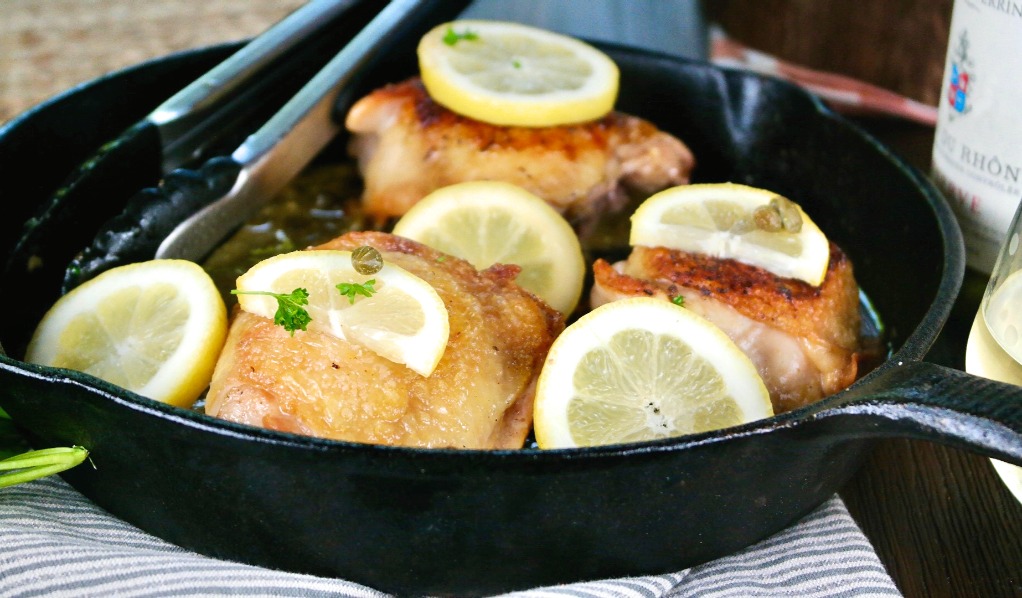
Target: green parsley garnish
x,y
516,63
290,314
678,300
452,37
350,289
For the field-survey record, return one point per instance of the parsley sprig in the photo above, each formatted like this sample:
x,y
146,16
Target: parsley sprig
x,y
290,314
452,37
350,289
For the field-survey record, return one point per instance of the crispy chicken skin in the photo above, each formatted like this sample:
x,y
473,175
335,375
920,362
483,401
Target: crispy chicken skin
x,y
407,145
479,396
804,340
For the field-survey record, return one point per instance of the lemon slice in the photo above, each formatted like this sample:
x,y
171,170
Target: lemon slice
x,y
643,369
720,220
490,222
155,328
404,320
514,75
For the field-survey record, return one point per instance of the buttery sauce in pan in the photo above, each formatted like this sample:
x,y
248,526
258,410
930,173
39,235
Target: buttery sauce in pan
x,y
323,203
320,204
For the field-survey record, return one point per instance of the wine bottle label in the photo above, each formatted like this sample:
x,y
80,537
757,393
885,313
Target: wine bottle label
x,y
977,151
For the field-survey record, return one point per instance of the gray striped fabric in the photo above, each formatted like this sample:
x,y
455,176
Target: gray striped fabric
x,y
55,542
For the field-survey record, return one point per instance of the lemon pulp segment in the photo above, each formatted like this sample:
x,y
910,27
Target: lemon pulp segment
x,y
127,351
490,222
598,416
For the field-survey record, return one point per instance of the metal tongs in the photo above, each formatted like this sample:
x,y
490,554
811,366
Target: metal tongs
x,y
194,209
113,191
282,147
191,118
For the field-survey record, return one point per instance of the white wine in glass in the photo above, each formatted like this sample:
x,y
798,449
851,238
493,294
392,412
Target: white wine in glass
x,y
994,349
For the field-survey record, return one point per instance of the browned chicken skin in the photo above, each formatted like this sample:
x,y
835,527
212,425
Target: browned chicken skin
x,y
479,396
408,145
804,340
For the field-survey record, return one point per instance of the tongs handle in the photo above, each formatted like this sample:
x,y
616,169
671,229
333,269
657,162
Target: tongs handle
x,y
320,94
188,115
281,148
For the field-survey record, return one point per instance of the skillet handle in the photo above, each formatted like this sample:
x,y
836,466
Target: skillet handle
x,y
932,402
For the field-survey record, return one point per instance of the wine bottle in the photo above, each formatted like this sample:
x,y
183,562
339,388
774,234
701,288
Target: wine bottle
x,y
977,150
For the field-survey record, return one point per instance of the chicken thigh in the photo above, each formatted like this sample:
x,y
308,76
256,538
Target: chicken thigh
x,y
407,145
479,396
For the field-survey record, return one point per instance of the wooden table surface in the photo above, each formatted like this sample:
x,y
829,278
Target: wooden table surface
x,y
939,518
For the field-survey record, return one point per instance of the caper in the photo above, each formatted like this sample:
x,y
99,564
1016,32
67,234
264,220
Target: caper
x,y
791,219
366,260
743,225
768,219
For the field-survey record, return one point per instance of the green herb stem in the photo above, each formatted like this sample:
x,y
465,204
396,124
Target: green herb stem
x,y
39,464
266,293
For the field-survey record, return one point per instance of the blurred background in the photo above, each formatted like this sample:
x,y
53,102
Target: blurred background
x,y
50,45
899,46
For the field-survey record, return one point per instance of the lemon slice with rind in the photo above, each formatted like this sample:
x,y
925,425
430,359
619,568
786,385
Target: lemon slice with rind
x,y
490,222
643,369
404,320
155,328
515,75
746,224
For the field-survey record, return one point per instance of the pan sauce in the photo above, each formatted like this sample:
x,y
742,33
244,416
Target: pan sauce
x,y
320,204
323,203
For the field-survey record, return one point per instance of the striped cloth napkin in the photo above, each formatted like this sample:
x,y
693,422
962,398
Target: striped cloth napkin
x,y
55,542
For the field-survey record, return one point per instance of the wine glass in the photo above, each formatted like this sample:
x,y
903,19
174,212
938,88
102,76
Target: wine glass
x,y
994,349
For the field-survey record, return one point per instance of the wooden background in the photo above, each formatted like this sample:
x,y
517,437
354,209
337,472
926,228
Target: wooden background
x,y
50,45
896,44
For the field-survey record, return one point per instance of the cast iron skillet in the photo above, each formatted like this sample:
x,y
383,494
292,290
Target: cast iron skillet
x,y
447,521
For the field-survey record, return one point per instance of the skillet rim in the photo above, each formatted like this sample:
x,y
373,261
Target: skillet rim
x,y
914,347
